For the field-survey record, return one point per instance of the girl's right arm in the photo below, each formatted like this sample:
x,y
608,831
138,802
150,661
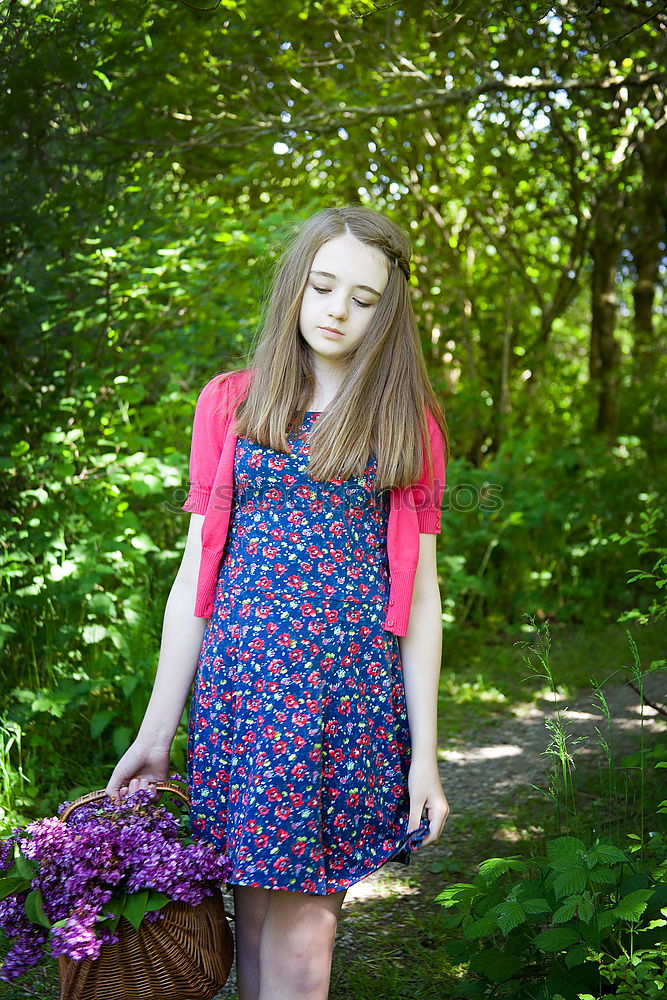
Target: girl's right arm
x,y
147,760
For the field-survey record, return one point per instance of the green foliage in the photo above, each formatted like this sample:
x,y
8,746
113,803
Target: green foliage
x,y
650,541
552,919
583,906
517,534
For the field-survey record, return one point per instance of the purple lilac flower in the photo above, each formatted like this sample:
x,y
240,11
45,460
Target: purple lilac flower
x,y
104,849
6,852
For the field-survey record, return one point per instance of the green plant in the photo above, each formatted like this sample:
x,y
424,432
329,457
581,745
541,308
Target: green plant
x,y
585,904
545,923
650,540
633,976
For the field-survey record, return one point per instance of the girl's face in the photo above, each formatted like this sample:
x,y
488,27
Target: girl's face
x,y
346,280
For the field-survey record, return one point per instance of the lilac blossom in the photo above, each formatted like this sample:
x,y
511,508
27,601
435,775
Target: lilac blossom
x,y
102,852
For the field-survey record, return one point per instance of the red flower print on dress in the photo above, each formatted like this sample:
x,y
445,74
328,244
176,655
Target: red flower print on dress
x,y
298,653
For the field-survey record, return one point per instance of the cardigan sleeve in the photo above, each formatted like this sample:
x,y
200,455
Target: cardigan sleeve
x,y
428,496
207,441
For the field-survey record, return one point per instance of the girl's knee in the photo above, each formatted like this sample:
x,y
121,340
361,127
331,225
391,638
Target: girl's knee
x,y
306,929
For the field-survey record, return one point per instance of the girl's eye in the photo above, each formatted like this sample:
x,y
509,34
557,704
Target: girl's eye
x,y
323,291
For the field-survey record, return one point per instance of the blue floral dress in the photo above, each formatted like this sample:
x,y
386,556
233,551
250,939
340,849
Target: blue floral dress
x,y
299,746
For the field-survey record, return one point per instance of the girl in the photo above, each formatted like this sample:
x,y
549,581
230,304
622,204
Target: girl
x,y
317,476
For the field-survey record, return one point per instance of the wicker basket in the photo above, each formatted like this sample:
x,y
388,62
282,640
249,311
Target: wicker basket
x,y
187,955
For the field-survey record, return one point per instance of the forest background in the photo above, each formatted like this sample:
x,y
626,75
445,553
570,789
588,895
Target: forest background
x,y
155,156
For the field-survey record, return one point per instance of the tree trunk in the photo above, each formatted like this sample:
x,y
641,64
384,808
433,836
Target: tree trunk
x,y
647,254
605,350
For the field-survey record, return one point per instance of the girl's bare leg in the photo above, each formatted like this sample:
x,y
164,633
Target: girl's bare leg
x,y
250,906
285,943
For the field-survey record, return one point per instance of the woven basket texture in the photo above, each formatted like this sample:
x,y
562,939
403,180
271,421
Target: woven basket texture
x,y
187,955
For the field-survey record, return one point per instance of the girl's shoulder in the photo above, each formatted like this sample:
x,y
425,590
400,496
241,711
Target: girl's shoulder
x,y
435,433
225,389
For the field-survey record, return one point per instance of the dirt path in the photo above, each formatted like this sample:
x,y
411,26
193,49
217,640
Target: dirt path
x,y
480,771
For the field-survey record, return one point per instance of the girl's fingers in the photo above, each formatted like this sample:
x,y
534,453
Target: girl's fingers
x,y
437,819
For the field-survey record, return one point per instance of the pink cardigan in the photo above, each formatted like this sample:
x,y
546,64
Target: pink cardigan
x,y
413,509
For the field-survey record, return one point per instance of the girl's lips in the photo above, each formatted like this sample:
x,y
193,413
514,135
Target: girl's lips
x,y
331,332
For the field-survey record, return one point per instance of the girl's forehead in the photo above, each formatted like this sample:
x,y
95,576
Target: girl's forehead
x,y
348,259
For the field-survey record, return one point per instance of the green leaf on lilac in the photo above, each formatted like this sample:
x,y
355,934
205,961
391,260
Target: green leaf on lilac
x,y
156,900
135,908
114,908
24,867
34,909
12,885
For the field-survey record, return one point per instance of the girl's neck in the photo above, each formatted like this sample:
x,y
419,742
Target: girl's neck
x,y
327,384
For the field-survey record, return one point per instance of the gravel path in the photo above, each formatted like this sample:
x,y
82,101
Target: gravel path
x,y
479,772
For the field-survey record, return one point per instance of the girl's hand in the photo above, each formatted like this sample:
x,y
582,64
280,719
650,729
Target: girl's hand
x,y
426,792
140,767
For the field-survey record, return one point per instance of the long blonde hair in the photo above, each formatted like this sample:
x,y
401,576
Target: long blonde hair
x,y
380,408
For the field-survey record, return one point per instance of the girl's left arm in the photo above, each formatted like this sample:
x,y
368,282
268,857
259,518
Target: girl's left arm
x,y
421,651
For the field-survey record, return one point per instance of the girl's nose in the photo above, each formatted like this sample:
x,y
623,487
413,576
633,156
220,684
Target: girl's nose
x,y
338,306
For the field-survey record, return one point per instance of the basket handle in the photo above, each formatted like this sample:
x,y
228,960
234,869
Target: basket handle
x,y
97,796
